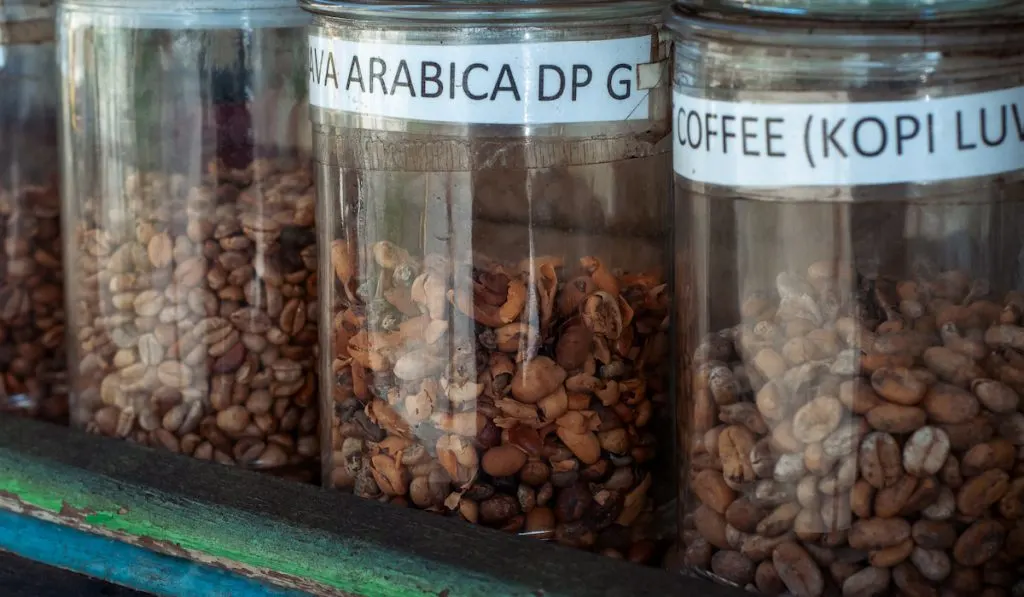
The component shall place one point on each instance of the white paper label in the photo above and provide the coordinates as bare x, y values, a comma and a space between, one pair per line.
779, 145
530, 83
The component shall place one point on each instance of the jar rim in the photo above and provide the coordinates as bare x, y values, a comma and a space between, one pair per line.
492, 11
187, 14
997, 28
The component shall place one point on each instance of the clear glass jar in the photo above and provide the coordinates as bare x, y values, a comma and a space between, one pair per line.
32, 362
497, 306
190, 198
850, 414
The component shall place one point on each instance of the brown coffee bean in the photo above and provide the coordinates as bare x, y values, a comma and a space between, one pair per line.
891, 556
1011, 506
498, 509
858, 396
995, 396
743, 413
894, 418
743, 515
779, 521
711, 489
933, 535
697, 554
952, 367
890, 501
878, 533
925, 451
994, 454
503, 461
869, 582
978, 493
980, 542
733, 566
932, 564
907, 578
898, 385
711, 526
949, 404
798, 571
767, 580
880, 459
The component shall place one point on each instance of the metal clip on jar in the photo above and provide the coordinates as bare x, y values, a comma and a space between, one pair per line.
493, 183
190, 195
852, 414
33, 377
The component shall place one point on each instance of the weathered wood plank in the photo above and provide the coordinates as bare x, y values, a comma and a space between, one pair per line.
111, 560
293, 535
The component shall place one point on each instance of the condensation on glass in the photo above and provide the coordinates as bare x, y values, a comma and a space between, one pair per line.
851, 341
190, 204
32, 364
495, 338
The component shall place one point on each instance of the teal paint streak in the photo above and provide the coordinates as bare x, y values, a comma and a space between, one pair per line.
124, 564
232, 536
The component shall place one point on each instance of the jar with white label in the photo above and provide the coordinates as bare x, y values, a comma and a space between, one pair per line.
189, 195
849, 202
493, 189
33, 378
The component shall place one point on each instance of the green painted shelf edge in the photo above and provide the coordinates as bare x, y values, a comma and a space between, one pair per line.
289, 534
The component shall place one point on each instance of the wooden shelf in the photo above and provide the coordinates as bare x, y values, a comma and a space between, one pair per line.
231, 525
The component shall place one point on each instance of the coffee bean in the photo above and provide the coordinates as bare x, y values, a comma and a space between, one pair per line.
925, 451
798, 571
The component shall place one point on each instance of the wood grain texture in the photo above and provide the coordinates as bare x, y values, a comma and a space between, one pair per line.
292, 535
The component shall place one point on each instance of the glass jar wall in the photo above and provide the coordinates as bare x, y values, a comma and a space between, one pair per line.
190, 206
851, 416
497, 303
32, 364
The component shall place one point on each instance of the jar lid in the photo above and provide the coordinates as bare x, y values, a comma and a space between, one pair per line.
1001, 28
510, 12
186, 14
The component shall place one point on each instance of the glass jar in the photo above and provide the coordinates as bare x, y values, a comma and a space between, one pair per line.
190, 195
849, 200
861, 9
32, 362
493, 196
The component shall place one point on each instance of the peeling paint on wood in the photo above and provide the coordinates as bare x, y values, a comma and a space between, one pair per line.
294, 536
122, 563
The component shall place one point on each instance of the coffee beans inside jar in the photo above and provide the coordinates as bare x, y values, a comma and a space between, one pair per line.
33, 372
861, 443
513, 395
197, 315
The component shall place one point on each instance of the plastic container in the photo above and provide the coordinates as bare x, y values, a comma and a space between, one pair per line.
189, 193
851, 397
32, 362
496, 243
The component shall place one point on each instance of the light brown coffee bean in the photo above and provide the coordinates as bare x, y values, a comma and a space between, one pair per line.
906, 577
814, 421
734, 446
891, 500
767, 580
709, 487
891, 556
711, 526
925, 451
733, 566
743, 515
858, 396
